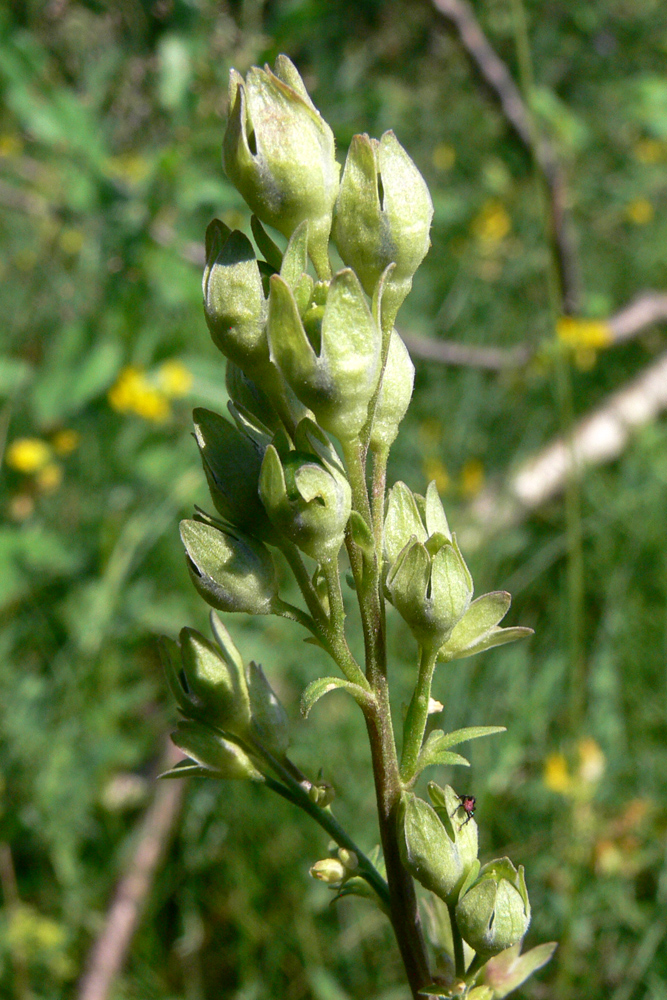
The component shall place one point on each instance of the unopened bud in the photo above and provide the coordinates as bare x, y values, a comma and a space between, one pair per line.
231, 571
494, 913
332, 871
382, 216
279, 153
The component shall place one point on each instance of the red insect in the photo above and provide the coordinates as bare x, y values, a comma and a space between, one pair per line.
468, 806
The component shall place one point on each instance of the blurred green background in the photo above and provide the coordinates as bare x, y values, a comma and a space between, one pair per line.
110, 135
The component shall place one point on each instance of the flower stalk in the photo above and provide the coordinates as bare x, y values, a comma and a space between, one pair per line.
316, 370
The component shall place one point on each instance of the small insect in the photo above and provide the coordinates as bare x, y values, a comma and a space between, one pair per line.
467, 803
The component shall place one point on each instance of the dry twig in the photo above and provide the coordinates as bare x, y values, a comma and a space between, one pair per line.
108, 954
598, 438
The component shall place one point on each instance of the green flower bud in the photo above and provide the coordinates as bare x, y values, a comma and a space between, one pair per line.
269, 724
332, 358
395, 393
216, 690
308, 502
234, 301
382, 216
494, 913
232, 462
438, 853
427, 581
221, 756
279, 152
231, 571
332, 871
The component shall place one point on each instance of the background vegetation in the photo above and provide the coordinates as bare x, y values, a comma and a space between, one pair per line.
110, 170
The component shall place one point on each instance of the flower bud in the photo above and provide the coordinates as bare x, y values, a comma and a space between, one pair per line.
436, 852
309, 503
217, 690
221, 756
383, 215
395, 393
234, 301
428, 581
279, 153
269, 725
231, 571
332, 358
430, 587
332, 871
494, 913
232, 462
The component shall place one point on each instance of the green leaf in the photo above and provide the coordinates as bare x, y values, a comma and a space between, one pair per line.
496, 637
446, 740
435, 750
508, 970
188, 769
318, 688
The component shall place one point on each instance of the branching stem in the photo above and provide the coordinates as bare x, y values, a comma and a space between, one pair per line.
417, 717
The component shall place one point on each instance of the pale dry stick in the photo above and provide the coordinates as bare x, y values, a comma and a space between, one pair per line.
645, 310
498, 77
108, 953
598, 438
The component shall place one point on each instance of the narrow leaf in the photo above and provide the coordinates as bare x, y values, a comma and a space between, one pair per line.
318, 688
508, 970
446, 740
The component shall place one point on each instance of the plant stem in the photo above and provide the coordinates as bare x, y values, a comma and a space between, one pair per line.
329, 630
417, 716
298, 796
404, 912
457, 940
378, 497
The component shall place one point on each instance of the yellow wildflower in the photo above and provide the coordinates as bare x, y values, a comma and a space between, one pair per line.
28, 455
66, 441
591, 334
649, 151
556, 775
492, 224
175, 379
133, 393
443, 157
49, 478
472, 477
640, 211
434, 470
591, 760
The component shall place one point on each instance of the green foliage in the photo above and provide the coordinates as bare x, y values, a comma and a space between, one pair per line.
109, 158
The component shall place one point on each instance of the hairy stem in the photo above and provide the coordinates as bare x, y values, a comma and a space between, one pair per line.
417, 717
404, 912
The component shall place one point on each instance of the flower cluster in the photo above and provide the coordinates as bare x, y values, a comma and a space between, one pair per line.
318, 381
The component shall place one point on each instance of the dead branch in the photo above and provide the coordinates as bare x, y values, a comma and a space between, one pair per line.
496, 74
108, 953
647, 309
644, 311
598, 438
